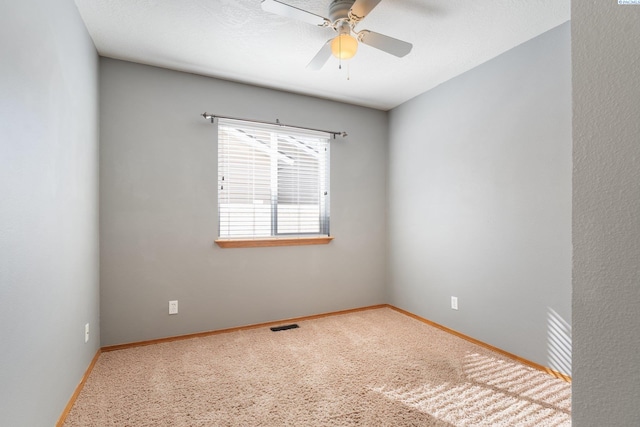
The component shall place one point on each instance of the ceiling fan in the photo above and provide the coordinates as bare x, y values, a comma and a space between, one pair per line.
344, 15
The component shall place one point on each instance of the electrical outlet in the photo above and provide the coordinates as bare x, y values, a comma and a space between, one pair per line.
454, 303
173, 307
86, 332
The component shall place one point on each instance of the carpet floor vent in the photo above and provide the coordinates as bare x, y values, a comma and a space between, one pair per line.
284, 327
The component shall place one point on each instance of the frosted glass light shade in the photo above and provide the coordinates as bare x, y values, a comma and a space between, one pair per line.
344, 46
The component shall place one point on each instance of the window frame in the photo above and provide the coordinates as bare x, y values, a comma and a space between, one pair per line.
277, 134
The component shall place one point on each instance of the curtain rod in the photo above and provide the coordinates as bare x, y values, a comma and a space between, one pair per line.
277, 122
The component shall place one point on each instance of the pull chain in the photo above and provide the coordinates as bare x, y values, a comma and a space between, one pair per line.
340, 53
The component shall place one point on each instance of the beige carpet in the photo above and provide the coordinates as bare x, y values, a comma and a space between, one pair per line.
370, 368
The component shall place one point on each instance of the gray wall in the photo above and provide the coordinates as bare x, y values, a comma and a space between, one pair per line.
606, 213
480, 202
158, 216
48, 208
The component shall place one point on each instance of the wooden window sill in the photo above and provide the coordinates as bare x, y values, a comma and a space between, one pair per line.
261, 243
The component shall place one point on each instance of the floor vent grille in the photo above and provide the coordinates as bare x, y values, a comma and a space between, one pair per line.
284, 327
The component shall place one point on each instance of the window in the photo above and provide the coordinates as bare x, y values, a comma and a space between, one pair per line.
273, 181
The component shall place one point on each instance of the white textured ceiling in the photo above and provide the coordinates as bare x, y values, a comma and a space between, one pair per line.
237, 40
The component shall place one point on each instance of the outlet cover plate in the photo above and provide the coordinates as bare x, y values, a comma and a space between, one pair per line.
173, 307
454, 303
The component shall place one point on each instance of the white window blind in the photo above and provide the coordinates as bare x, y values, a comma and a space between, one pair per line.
273, 181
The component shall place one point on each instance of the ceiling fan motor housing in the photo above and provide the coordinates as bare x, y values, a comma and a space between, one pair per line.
339, 9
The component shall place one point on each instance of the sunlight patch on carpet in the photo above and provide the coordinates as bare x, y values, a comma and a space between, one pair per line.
495, 392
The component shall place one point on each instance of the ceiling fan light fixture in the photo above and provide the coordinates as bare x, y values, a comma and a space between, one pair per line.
344, 46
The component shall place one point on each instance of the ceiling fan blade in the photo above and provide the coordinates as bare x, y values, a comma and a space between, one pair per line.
321, 57
361, 8
387, 44
283, 9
